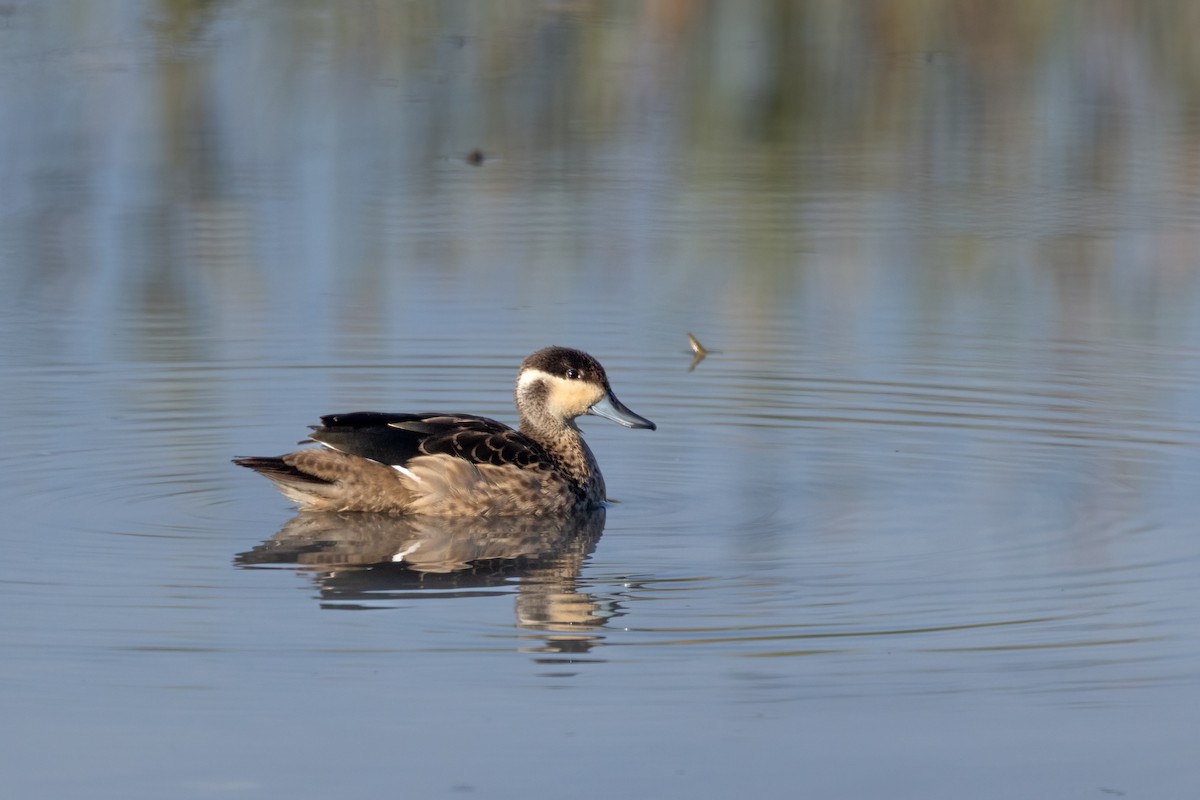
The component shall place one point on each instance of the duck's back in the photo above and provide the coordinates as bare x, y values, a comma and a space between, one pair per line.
395, 439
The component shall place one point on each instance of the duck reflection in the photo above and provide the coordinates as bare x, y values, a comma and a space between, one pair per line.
358, 557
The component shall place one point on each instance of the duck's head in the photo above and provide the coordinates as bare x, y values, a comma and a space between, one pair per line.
558, 384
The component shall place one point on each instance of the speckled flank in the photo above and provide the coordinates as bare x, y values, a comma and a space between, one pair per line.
455, 487
435, 485
461, 465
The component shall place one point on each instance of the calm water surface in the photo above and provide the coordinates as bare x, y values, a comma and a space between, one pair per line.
922, 524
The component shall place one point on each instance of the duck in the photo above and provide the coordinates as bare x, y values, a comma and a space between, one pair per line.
461, 465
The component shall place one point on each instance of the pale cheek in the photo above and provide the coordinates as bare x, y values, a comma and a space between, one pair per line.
575, 400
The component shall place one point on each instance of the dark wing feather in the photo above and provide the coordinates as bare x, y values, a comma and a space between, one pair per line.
396, 438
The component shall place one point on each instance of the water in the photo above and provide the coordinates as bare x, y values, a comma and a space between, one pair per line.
920, 525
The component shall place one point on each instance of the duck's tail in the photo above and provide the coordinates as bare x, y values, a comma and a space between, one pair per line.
326, 480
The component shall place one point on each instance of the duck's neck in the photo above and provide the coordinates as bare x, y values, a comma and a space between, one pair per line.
572, 456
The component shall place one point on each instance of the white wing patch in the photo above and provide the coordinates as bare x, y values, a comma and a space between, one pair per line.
406, 472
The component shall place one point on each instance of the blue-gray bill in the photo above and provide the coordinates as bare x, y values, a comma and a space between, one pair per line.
610, 407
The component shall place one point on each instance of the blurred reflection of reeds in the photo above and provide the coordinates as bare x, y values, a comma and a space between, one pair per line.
216, 155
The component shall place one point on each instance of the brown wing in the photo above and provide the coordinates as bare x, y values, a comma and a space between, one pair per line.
396, 438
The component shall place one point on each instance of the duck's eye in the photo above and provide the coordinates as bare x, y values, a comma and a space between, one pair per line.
572, 374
